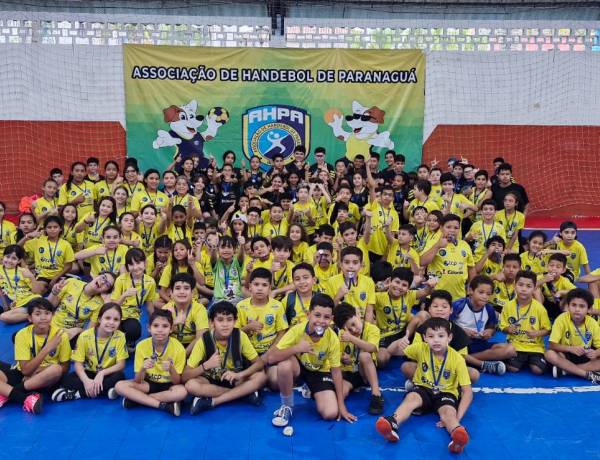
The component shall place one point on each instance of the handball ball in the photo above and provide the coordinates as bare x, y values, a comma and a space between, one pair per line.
220, 114
330, 114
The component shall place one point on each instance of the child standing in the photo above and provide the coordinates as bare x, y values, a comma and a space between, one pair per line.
295, 304
511, 220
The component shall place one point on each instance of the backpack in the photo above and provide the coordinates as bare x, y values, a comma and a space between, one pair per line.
239, 362
290, 306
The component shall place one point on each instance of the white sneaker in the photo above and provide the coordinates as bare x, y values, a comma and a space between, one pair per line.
112, 394
282, 416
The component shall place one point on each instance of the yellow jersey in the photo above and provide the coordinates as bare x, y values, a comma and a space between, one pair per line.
272, 317
549, 290
490, 268
16, 286
531, 317
112, 261
92, 234
148, 236
51, 256
173, 351
132, 190
146, 292
75, 307
103, 188
75, 239
271, 230
360, 295
392, 315
296, 310
503, 293
424, 238
457, 205
451, 265
565, 332
398, 256
96, 353
326, 349
482, 233
87, 189
28, 345
370, 334
144, 198
198, 356
577, 257
536, 264
180, 233
196, 319
299, 251
302, 211
324, 275
167, 273
42, 205
438, 374
512, 224
378, 243
321, 207
256, 263
8, 234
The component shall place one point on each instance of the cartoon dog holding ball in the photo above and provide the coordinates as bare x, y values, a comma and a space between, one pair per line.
364, 124
184, 134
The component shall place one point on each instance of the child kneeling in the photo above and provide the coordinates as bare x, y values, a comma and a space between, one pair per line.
159, 362
223, 365
440, 372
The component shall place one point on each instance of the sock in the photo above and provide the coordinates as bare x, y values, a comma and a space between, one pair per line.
288, 400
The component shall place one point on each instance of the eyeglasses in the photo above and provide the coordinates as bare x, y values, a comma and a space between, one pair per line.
104, 280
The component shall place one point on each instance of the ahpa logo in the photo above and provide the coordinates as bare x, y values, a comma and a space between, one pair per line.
269, 130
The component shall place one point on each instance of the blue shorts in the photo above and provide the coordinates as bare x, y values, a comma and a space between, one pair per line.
477, 346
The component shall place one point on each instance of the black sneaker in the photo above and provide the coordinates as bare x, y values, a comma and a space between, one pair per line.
172, 408
376, 405
200, 404
594, 377
129, 404
388, 428
255, 398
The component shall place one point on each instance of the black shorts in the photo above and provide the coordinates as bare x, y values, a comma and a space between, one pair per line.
219, 383
387, 341
157, 387
355, 379
527, 357
316, 381
13, 376
433, 401
577, 359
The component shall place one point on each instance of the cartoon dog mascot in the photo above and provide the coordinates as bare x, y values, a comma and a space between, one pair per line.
184, 124
364, 123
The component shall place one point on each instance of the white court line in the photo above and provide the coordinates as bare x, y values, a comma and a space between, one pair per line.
514, 391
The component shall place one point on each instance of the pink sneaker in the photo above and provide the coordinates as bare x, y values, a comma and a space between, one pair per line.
3, 400
33, 404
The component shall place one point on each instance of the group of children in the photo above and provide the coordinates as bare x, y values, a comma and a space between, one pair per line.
312, 274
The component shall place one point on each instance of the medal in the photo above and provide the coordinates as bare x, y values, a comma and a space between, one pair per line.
436, 379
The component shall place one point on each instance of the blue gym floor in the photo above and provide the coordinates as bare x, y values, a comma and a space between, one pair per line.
514, 416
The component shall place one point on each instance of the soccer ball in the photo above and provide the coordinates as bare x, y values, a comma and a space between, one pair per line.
220, 114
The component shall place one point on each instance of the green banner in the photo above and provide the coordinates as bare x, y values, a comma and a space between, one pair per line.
261, 102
